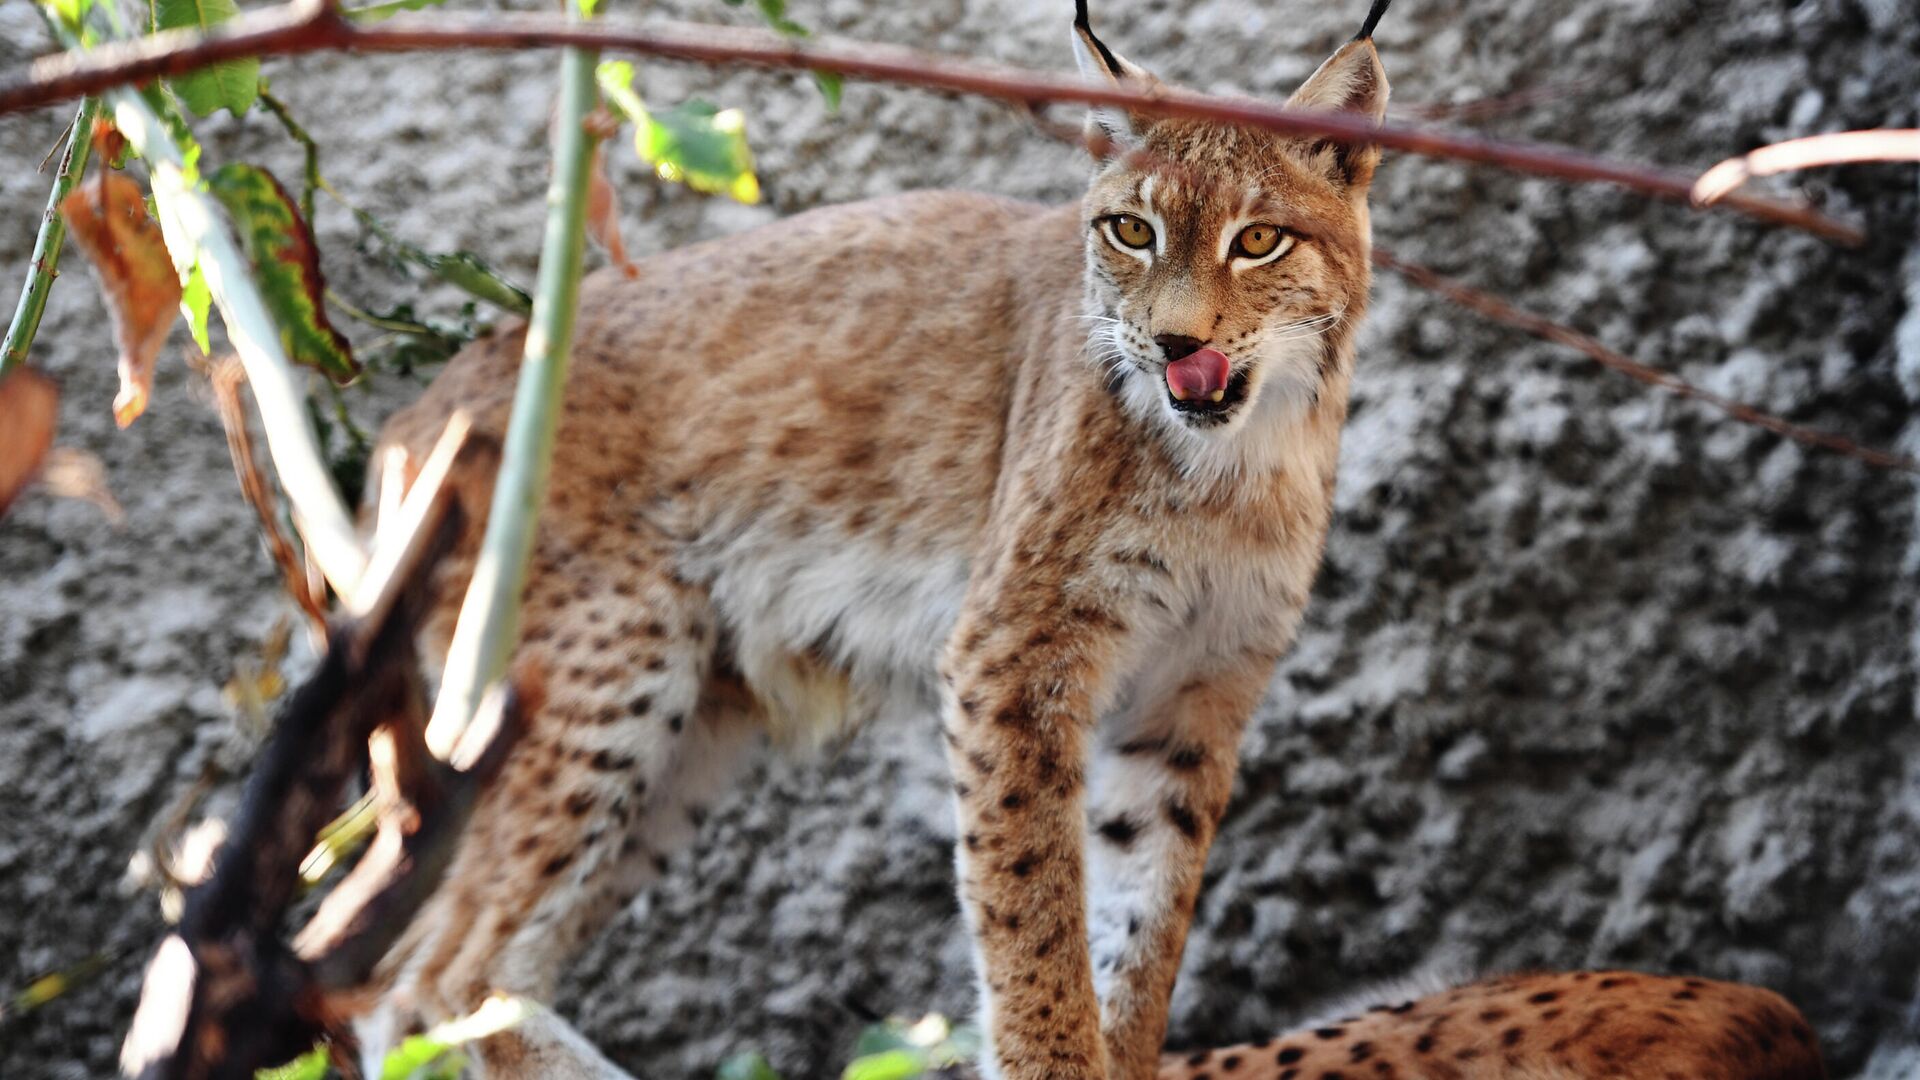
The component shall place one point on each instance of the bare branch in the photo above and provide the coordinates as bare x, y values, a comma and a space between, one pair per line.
226, 378
1546, 329
305, 27
1837, 148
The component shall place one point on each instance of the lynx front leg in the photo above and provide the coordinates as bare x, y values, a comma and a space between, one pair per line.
1026, 665
1157, 788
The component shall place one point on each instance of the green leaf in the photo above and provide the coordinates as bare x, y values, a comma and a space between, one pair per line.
420, 1058
312, 1065
701, 146
73, 13
747, 1066
376, 12
829, 83
888, 1065
196, 303
286, 266
230, 84
616, 85
465, 270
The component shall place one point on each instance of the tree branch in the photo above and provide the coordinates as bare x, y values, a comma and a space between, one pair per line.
1835, 148
309, 26
1546, 329
44, 266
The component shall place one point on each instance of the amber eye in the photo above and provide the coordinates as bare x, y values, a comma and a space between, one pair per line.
1257, 241
1130, 230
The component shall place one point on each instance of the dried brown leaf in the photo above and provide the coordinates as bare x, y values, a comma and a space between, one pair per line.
603, 213
109, 221
72, 473
29, 404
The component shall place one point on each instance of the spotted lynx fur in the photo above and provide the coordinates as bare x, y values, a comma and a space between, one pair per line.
1057, 476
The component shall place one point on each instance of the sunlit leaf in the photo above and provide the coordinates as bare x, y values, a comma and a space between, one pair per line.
29, 405
196, 303
616, 85
72, 12
419, 1057
230, 84
312, 1065
694, 143
702, 146
747, 1066
887, 1065
377, 12
432, 1055
286, 266
110, 224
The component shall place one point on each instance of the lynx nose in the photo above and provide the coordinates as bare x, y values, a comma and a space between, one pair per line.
1176, 346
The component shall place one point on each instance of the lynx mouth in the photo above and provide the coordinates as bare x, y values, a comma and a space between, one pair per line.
1211, 410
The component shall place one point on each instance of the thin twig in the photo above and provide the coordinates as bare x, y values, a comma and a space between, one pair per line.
1546, 329
311, 165
304, 27
226, 378
44, 265
1836, 148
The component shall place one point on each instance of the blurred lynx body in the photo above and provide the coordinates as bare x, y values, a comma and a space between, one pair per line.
1059, 477
1582, 1025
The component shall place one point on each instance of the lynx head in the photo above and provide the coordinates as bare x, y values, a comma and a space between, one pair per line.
1227, 267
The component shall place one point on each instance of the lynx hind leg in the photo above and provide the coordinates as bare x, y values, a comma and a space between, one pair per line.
608, 779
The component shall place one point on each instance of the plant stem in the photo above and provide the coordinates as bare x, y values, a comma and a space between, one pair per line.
194, 225
298, 134
489, 623
45, 264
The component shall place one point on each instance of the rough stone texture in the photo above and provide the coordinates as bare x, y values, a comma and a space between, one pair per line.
1592, 676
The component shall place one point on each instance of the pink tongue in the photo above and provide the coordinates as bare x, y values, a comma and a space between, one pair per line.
1198, 376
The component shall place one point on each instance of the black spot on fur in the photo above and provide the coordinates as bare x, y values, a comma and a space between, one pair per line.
1120, 831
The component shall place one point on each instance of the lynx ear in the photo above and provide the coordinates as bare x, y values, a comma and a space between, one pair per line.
1351, 80
1103, 66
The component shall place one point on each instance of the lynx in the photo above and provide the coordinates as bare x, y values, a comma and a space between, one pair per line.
1057, 476
1582, 1025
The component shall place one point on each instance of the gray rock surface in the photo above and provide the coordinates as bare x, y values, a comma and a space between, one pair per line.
1593, 676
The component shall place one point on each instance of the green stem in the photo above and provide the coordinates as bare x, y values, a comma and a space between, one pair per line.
298, 134
46, 247
489, 622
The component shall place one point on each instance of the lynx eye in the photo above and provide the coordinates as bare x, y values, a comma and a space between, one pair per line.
1130, 230
1257, 241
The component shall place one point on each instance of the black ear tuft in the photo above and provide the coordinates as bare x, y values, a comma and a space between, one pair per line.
1085, 27
1366, 28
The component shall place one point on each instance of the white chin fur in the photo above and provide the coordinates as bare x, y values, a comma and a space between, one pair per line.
1259, 436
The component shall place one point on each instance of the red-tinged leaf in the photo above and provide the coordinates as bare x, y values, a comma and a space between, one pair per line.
603, 213
29, 404
286, 266
108, 220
